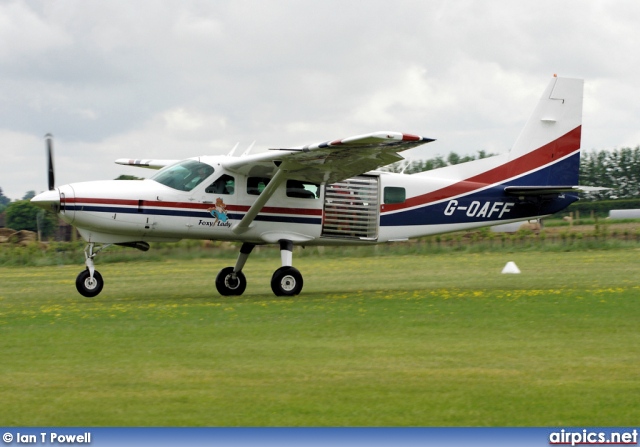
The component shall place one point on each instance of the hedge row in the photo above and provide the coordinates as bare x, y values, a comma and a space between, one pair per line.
601, 208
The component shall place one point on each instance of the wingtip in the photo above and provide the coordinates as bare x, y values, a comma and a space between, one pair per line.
411, 137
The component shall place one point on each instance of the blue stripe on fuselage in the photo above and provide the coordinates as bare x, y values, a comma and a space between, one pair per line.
479, 207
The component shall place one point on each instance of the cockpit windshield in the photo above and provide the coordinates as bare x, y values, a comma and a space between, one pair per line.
183, 176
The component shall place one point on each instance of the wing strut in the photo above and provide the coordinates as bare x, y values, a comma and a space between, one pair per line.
276, 181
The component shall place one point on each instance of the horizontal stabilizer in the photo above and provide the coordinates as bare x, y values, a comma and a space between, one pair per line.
550, 189
149, 164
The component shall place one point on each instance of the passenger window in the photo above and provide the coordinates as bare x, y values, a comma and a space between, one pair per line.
393, 194
302, 190
255, 185
224, 185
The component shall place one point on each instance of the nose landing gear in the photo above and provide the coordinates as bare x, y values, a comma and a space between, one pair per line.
89, 282
89, 286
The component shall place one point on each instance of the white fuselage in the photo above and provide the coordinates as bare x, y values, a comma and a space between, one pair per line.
371, 208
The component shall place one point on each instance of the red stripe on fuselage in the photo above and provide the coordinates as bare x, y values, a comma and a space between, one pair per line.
192, 206
281, 210
557, 149
102, 201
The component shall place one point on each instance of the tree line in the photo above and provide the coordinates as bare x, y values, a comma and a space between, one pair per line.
415, 166
618, 169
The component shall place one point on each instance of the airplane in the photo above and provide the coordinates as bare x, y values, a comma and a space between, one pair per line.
330, 193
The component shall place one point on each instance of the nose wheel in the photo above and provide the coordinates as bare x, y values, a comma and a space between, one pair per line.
89, 286
89, 282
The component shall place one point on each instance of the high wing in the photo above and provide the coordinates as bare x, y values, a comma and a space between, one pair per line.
149, 164
330, 161
327, 162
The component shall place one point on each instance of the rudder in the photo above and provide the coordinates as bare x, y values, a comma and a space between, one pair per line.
549, 144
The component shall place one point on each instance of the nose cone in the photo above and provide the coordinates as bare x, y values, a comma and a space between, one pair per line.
48, 200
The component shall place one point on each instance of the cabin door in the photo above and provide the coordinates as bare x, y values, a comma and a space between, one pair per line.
352, 208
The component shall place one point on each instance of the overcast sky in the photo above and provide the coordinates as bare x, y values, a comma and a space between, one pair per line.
176, 79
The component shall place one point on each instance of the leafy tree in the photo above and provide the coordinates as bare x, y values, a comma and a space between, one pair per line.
618, 169
4, 201
453, 159
23, 215
29, 195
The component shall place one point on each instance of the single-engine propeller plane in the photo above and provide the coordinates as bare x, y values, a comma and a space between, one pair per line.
329, 193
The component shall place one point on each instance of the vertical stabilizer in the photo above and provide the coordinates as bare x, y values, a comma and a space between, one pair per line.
549, 144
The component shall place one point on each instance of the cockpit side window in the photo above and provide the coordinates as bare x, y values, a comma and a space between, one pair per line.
184, 176
255, 185
223, 185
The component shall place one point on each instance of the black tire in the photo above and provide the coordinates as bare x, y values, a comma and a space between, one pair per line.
227, 285
87, 287
286, 281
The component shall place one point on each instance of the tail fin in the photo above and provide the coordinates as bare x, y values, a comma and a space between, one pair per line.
548, 148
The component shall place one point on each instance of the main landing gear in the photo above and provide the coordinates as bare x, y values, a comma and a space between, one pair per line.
286, 281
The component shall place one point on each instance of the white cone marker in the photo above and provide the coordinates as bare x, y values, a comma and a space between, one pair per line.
511, 267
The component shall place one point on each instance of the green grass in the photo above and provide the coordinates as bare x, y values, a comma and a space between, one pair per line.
437, 340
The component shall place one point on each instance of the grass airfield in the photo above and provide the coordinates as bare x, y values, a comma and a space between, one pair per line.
435, 340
